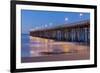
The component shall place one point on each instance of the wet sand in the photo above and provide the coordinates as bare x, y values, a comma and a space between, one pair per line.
60, 57
49, 50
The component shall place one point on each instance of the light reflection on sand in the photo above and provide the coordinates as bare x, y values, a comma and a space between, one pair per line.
42, 45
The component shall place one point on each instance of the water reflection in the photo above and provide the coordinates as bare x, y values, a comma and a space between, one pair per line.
46, 47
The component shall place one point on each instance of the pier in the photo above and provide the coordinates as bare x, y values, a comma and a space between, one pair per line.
67, 42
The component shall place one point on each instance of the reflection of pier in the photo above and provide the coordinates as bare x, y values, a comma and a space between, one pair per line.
75, 32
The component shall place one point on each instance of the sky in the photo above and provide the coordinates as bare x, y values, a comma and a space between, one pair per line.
33, 19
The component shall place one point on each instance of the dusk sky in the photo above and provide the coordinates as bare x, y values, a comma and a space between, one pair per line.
32, 19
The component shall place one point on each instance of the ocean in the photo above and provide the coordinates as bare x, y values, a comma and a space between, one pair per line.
25, 48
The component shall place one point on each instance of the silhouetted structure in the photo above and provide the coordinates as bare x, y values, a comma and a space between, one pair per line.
74, 32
